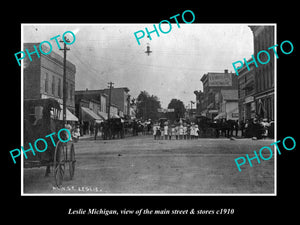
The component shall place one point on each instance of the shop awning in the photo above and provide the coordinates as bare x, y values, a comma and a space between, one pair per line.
69, 116
88, 115
103, 115
114, 116
220, 116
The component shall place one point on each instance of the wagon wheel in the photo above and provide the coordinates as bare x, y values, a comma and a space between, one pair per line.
72, 161
59, 163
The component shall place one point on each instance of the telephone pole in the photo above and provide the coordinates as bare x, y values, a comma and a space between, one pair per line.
65, 49
110, 86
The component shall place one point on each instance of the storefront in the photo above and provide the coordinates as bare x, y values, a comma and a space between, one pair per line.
88, 119
249, 108
212, 113
265, 106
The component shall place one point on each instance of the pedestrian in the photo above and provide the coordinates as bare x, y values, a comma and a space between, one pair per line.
154, 131
218, 128
158, 133
170, 132
180, 131
224, 127
166, 131
236, 127
162, 132
192, 131
265, 125
184, 131
91, 129
176, 131
96, 130
196, 131
242, 127
69, 127
231, 127
173, 130
76, 133
188, 132
149, 125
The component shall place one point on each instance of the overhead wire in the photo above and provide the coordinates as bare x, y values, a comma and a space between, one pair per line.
135, 64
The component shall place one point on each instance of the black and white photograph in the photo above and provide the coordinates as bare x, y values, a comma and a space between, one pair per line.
150, 111
174, 108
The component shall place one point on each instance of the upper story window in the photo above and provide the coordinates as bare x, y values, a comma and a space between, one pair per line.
53, 85
46, 82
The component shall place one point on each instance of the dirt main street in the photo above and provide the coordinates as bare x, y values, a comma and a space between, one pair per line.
141, 165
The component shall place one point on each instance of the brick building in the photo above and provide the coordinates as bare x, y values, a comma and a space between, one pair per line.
91, 96
43, 77
263, 37
120, 99
213, 83
246, 79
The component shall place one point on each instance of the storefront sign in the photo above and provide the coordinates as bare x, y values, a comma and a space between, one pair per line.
219, 79
235, 114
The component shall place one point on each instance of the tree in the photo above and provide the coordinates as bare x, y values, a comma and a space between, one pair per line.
179, 110
147, 106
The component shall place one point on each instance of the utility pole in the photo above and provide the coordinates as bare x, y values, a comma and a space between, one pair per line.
110, 86
65, 49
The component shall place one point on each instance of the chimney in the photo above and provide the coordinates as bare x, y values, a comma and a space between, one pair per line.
226, 71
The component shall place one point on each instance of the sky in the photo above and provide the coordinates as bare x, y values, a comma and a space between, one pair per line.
105, 53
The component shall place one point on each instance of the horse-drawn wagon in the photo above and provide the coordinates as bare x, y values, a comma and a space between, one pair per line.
41, 118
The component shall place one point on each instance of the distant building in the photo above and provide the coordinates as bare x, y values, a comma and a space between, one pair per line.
87, 111
213, 83
120, 99
114, 111
229, 104
264, 74
43, 77
89, 96
199, 102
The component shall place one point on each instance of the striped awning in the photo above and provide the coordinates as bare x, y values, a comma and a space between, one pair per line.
88, 114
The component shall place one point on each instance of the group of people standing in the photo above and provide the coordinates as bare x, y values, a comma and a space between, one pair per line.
179, 132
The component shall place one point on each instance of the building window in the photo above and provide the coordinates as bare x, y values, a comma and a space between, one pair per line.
46, 83
53, 85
